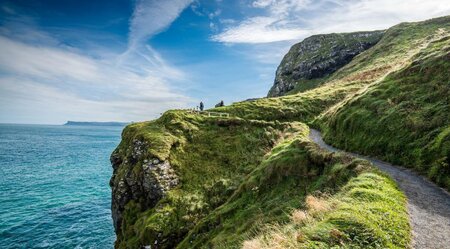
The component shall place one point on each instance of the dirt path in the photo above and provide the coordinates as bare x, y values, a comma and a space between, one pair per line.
428, 205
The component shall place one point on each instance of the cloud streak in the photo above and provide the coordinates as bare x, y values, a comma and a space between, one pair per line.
287, 20
45, 62
49, 80
151, 17
259, 30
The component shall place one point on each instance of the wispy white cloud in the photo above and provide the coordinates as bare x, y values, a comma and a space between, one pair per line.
45, 62
285, 20
151, 17
259, 30
31, 101
377, 14
55, 84
262, 3
277, 24
43, 80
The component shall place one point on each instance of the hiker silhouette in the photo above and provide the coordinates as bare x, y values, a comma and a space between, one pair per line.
201, 106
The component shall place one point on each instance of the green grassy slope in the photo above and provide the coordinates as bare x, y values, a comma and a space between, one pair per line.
404, 119
303, 197
211, 156
233, 186
355, 104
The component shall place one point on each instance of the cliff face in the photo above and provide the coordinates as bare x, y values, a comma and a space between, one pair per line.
171, 172
317, 57
138, 177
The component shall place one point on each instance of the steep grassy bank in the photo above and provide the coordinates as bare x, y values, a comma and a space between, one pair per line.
232, 187
171, 172
404, 119
303, 197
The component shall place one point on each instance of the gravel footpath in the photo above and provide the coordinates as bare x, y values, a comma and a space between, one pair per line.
428, 204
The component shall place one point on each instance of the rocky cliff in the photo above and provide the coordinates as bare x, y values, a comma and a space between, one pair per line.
171, 172
147, 184
317, 57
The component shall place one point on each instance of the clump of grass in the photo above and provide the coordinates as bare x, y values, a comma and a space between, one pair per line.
299, 216
316, 205
252, 244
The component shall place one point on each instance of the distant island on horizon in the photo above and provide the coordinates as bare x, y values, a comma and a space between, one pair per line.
85, 123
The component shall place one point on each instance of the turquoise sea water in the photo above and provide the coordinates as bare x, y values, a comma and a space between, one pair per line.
54, 190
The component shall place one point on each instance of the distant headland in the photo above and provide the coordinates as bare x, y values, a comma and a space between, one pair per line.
96, 123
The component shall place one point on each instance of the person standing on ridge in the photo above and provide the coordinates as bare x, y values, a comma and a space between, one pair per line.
201, 106
219, 104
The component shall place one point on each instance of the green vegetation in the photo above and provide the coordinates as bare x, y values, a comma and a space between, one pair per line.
368, 212
328, 42
233, 191
310, 61
278, 205
304, 85
209, 155
255, 180
405, 118
402, 118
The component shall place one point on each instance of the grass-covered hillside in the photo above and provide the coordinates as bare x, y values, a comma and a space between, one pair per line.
405, 118
300, 196
205, 160
255, 180
395, 94
236, 179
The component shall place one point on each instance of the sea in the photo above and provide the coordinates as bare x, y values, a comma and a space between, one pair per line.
54, 186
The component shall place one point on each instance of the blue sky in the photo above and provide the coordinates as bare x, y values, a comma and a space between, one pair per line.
123, 60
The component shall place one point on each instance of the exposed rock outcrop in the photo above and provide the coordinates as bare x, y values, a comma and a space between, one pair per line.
319, 56
138, 176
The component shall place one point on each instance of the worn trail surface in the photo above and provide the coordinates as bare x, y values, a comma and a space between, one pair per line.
428, 205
